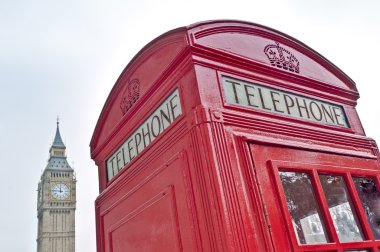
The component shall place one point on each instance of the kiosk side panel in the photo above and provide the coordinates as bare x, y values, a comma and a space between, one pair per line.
153, 214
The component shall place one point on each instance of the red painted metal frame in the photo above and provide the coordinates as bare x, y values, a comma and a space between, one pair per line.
202, 169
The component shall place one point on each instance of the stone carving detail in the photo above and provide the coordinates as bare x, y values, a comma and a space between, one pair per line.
130, 96
281, 58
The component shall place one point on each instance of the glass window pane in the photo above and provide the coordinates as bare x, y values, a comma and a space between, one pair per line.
355, 250
341, 208
304, 210
370, 197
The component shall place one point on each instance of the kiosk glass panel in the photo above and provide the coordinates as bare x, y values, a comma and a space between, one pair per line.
355, 250
341, 209
304, 210
370, 197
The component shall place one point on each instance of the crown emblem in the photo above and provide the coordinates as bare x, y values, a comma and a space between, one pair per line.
130, 95
282, 58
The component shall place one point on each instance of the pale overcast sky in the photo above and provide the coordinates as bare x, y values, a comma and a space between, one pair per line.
63, 57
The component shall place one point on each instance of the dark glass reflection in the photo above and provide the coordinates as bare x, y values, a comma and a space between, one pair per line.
341, 208
370, 197
304, 210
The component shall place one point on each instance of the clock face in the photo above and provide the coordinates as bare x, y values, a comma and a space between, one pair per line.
60, 191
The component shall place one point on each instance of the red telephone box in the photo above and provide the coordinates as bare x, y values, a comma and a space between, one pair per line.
231, 136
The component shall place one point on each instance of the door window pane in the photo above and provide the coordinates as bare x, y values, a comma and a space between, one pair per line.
355, 250
304, 210
341, 208
370, 197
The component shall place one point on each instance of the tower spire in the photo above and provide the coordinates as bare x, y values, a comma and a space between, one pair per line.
57, 159
58, 143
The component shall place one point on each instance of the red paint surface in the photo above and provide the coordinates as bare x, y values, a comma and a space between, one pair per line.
209, 182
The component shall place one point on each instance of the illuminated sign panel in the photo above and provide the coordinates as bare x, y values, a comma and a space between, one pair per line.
152, 127
256, 96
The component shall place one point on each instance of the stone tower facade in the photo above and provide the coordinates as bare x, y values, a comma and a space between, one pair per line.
56, 202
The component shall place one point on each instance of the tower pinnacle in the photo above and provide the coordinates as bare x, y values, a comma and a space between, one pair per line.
57, 159
58, 143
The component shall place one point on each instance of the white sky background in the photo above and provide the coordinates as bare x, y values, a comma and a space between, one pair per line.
63, 57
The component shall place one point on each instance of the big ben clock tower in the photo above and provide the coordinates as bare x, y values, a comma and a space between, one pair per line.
56, 202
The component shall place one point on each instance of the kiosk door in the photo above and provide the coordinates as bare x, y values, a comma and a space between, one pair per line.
315, 201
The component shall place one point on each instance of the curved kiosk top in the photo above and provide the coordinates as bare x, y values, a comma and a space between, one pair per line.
232, 136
